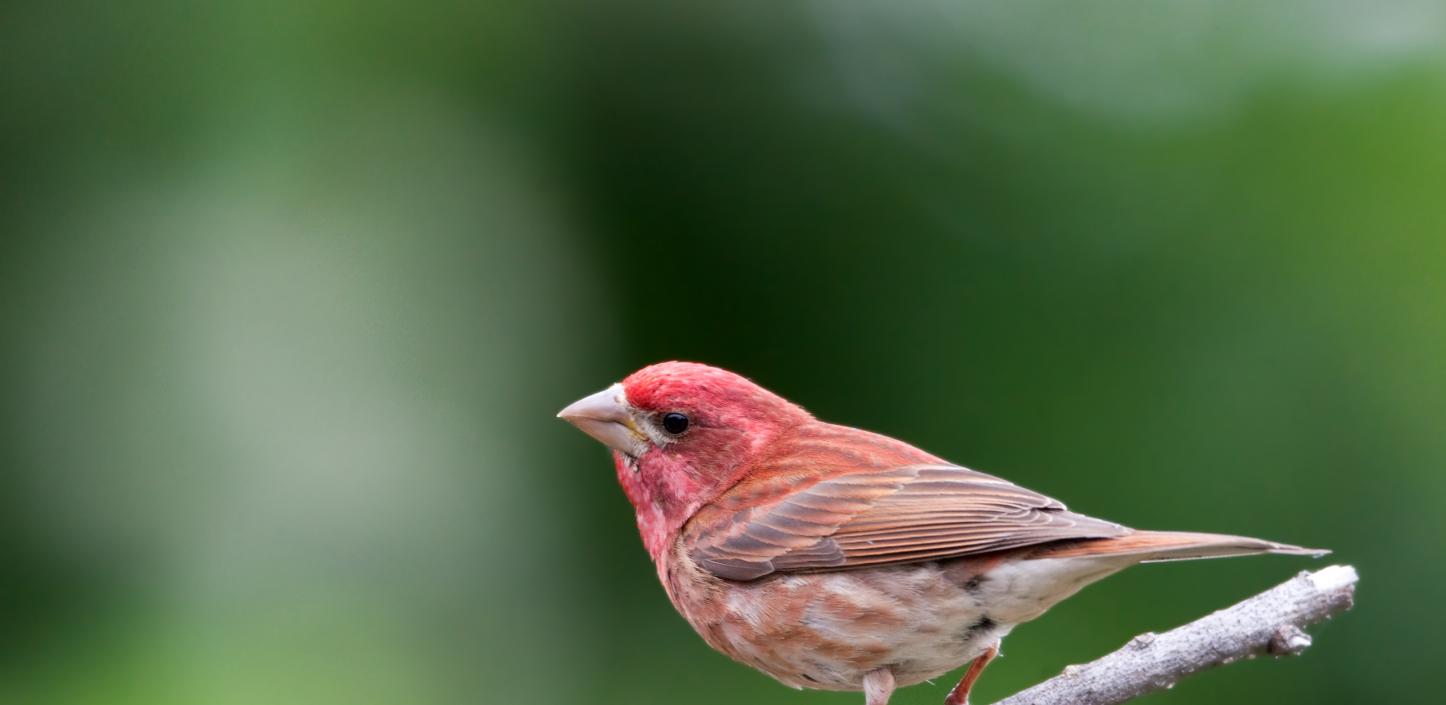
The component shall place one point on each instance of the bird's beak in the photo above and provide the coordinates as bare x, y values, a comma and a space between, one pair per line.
605, 416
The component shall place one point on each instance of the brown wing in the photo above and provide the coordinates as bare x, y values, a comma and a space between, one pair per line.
898, 515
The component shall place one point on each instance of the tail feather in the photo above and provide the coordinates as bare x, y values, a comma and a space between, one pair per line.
1150, 546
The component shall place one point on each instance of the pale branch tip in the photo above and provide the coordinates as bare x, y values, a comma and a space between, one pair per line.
1271, 623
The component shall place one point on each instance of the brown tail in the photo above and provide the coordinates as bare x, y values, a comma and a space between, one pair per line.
1148, 546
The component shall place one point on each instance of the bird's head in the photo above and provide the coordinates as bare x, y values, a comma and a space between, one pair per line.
681, 433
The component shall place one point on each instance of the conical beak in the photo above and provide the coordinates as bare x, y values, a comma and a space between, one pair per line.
605, 416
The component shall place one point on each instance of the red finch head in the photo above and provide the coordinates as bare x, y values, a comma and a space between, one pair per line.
681, 434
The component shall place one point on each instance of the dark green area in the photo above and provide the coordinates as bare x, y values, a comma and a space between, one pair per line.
290, 293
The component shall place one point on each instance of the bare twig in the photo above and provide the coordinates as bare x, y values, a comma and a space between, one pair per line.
1272, 622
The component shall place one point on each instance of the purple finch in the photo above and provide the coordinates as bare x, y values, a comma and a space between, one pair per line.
839, 559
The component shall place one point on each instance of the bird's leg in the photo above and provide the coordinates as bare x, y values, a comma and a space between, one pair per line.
960, 694
878, 686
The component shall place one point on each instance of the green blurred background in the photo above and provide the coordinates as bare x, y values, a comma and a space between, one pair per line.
290, 292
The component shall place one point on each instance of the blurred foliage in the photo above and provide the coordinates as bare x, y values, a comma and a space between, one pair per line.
290, 292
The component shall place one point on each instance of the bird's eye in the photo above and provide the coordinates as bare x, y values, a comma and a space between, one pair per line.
675, 423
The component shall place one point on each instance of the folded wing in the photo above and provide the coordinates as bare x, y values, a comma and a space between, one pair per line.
876, 517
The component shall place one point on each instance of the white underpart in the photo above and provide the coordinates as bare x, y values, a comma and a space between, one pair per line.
747, 608
1018, 591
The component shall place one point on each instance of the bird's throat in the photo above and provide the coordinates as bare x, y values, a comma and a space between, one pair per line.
662, 500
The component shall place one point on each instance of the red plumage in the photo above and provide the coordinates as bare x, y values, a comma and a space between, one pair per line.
835, 558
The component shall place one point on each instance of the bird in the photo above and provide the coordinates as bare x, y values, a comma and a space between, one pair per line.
834, 558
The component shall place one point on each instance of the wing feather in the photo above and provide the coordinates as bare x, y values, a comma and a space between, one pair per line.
902, 514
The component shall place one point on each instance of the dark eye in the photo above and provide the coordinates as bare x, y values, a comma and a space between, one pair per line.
675, 423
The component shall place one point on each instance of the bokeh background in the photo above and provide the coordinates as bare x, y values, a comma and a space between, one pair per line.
290, 292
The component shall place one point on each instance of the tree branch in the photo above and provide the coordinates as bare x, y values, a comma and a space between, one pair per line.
1272, 622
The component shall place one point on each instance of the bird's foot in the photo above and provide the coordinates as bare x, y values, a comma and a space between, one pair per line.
960, 694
